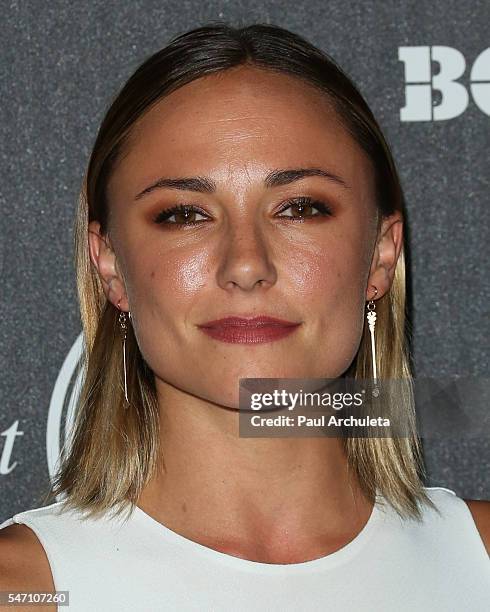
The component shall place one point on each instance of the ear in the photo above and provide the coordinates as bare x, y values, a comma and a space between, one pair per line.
104, 260
386, 252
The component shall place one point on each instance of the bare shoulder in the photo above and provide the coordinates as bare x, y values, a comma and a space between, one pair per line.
480, 510
24, 565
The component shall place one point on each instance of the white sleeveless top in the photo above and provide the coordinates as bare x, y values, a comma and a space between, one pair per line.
140, 565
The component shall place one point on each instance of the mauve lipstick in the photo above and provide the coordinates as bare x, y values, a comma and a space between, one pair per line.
248, 330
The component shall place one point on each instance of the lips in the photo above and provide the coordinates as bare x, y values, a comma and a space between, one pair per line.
253, 322
248, 330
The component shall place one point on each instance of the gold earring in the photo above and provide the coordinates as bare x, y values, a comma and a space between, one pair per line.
371, 318
124, 330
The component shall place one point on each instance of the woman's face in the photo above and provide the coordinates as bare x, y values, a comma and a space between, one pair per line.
253, 250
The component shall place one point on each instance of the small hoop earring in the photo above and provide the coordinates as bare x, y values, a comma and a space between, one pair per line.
371, 319
124, 333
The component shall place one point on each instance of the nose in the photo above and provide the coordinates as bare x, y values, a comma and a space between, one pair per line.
245, 260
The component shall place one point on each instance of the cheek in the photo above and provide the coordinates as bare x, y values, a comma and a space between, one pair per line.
163, 288
168, 280
331, 281
182, 273
330, 274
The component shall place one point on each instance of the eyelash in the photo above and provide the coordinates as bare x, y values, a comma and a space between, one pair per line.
163, 215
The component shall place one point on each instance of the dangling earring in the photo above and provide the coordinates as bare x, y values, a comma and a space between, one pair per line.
124, 329
371, 318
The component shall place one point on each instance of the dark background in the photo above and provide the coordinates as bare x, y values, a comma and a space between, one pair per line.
61, 64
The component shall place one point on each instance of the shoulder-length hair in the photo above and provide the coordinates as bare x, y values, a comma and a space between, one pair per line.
115, 448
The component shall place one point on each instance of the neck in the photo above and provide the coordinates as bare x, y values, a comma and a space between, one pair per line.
276, 499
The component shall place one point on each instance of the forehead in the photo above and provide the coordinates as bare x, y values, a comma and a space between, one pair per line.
238, 123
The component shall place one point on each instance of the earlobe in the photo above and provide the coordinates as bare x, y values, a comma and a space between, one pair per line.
386, 254
104, 260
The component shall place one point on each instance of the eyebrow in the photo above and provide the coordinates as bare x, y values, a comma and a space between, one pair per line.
275, 178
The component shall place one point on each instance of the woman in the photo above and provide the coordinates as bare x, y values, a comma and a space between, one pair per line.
239, 173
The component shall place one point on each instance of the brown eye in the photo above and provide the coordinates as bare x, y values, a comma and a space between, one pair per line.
184, 215
303, 207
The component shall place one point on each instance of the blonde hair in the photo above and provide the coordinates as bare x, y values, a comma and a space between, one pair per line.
115, 449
